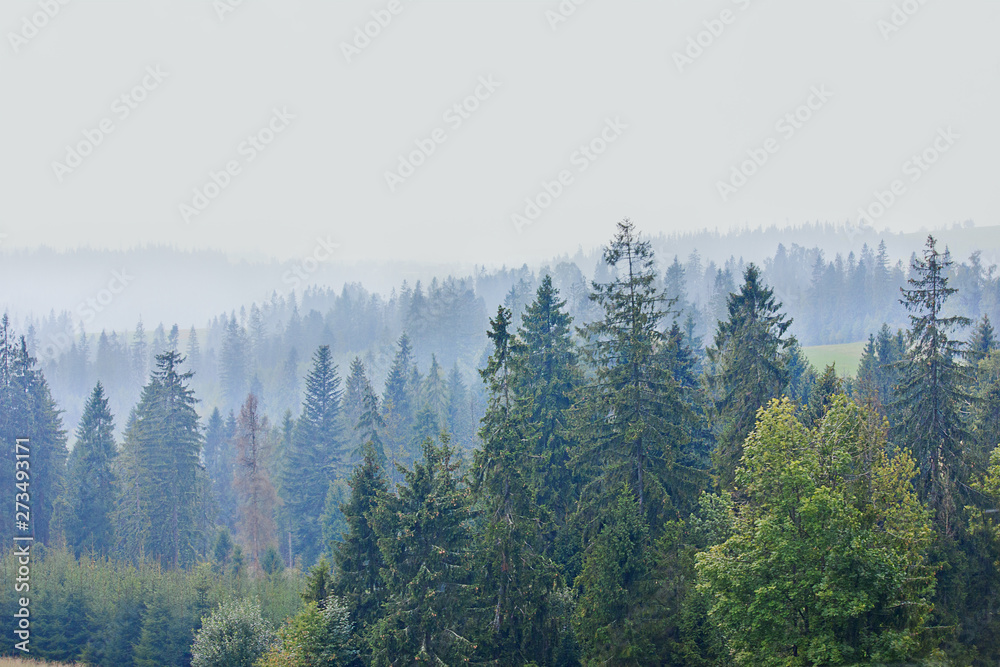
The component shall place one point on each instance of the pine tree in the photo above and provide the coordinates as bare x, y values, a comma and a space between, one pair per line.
748, 366
633, 419
91, 490
932, 394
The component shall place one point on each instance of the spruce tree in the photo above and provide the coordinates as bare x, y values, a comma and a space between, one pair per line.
747, 366
822, 395
219, 464
370, 426
357, 557
314, 458
397, 406
164, 446
632, 419
982, 343
932, 393
424, 536
91, 490
614, 618
515, 576
546, 378
353, 406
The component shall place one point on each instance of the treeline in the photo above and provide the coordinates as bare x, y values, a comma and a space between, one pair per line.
266, 347
626, 494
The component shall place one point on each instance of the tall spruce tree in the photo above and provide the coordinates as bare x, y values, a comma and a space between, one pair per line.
164, 447
632, 420
932, 394
515, 577
546, 378
315, 457
90, 487
747, 366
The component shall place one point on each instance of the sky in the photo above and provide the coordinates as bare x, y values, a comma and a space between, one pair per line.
487, 131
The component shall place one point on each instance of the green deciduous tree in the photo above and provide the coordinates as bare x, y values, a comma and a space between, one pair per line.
828, 560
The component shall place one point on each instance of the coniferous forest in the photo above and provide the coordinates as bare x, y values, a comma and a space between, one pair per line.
622, 459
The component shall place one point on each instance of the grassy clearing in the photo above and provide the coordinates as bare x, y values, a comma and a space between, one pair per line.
846, 356
18, 662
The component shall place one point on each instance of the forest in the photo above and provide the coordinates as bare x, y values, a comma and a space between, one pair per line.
623, 458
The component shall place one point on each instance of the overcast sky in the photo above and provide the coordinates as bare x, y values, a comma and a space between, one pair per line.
667, 121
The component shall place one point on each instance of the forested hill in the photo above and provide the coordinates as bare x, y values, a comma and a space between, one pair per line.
246, 324
634, 467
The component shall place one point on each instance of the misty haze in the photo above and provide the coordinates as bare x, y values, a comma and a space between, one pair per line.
562, 332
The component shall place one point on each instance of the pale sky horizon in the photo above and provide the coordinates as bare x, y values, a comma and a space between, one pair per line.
871, 91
